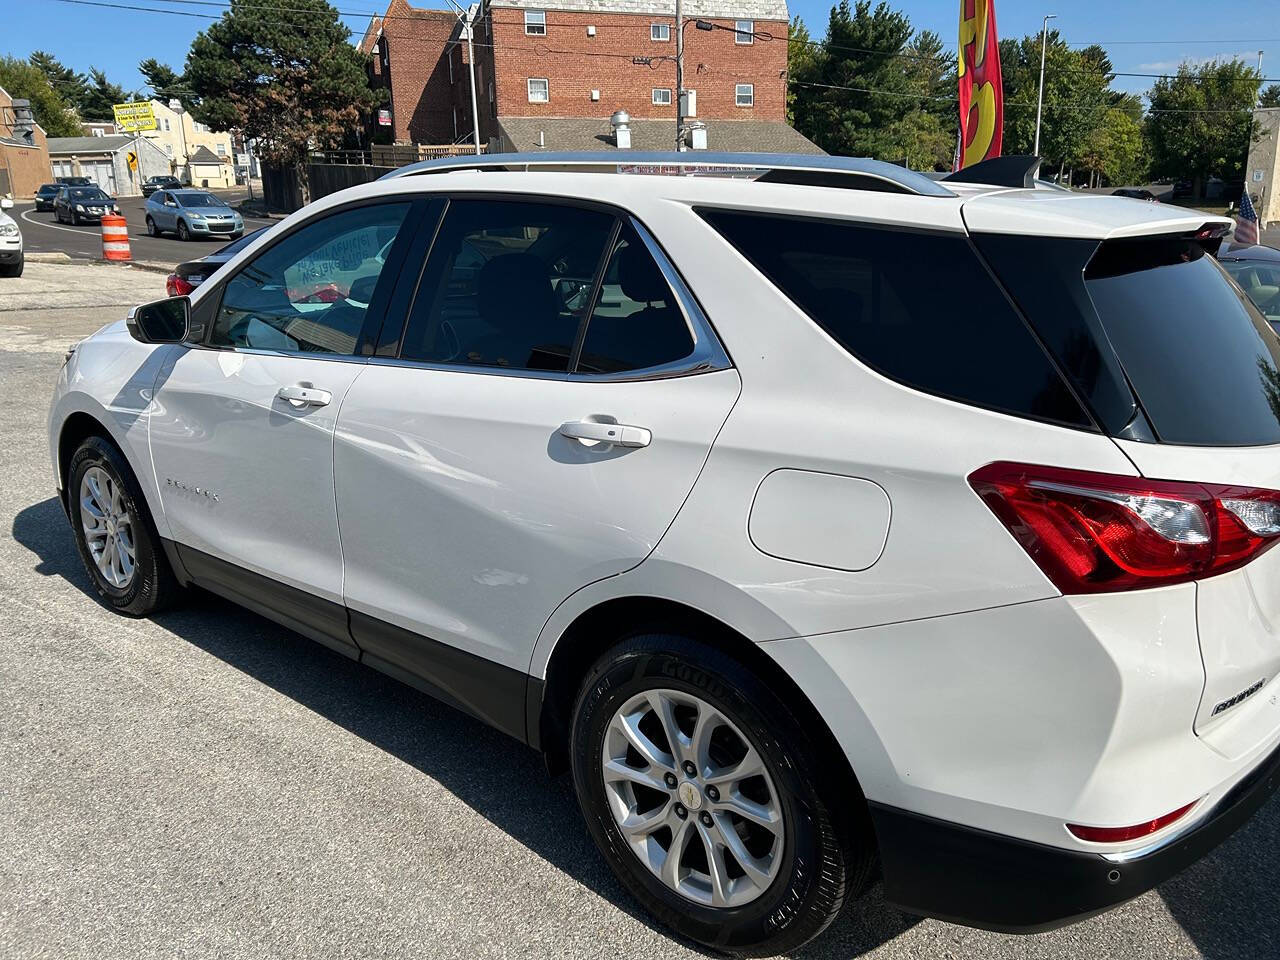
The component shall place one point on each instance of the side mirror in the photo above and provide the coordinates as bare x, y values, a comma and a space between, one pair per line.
6, 203
163, 321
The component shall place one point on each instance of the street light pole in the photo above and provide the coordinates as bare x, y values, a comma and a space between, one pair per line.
176, 106
680, 76
1044, 40
471, 66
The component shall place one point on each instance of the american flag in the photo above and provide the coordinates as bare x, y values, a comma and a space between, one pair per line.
1246, 221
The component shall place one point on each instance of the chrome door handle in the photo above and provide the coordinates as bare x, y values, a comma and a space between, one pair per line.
619, 434
304, 395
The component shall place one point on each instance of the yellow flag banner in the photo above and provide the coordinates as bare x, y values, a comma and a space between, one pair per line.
981, 87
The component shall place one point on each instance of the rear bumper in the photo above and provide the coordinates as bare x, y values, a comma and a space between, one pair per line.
981, 879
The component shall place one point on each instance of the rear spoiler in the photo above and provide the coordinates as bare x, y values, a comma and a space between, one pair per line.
1014, 171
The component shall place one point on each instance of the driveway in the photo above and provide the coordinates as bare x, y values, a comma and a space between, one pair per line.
208, 784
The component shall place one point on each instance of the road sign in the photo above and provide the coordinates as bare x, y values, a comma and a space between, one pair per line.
133, 117
132, 159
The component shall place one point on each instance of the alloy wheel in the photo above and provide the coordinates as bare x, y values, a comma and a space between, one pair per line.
692, 798
108, 527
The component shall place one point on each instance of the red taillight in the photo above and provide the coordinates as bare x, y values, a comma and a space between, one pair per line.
1135, 832
1097, 532
176, 286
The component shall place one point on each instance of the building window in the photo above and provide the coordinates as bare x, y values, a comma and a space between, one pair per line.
744, 31
535, 23
97, 131
744, 95
660, 32
222, 149
166, 124
539, 90
662, 96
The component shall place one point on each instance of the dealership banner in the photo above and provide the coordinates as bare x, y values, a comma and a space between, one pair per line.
135, 117
981, 88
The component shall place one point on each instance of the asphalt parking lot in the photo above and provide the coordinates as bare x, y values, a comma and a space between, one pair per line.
209, 784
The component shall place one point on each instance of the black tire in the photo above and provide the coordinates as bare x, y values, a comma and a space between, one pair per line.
822, 861
152, 229
75, 219
183, 233
153, 586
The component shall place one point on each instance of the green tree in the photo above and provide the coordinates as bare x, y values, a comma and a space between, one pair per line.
859, 87
72, 87
24, 81
1077, 96
801, 53
285, 74
1270, 97
923, 141
102, 95
1200, 121
166, 83
932, 74
1113, 150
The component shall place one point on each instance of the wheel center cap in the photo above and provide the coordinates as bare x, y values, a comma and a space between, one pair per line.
690, 795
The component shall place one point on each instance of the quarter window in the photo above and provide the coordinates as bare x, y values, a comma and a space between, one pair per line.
744, 95
744, 31
539, 90
889, 298
535, 23
309, 293
662, 96
660, 32
507, 285
637, 322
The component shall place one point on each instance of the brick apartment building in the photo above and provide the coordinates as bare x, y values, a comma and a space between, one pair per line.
550, 76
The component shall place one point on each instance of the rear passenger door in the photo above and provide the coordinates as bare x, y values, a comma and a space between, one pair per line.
534, 427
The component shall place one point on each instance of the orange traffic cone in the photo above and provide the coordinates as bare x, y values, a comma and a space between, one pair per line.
115, 238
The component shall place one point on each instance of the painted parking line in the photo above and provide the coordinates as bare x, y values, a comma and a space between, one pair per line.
58, 226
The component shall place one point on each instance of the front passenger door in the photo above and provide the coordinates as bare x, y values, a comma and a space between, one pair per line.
242, 425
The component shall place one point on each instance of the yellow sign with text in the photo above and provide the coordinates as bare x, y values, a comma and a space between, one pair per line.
132, 117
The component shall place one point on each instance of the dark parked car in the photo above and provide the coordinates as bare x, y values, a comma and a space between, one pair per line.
75, 181
1257, 270
189, 275
152, 184
82, 204
45, 195
1137, 193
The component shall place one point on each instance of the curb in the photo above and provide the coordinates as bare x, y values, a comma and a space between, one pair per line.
149, 265
55, 257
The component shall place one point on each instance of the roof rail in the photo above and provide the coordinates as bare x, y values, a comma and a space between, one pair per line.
1016, 170
777, 167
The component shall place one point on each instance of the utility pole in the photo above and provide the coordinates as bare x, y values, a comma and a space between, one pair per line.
680, 76
471, 67
1044, 40
176, 106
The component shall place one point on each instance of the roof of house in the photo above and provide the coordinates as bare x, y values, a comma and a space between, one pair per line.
108, 144
203, 154
718, 9
591, 134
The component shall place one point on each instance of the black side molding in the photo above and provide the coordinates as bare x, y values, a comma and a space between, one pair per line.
980, 879
1015, 171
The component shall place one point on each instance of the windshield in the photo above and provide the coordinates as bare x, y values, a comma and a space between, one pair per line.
1203, 362
48, 188
199, 200
88, 193
1260, 280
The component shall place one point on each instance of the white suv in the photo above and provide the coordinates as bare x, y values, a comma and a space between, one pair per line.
822, 517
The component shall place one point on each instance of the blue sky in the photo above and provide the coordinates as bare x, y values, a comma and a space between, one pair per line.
116, 39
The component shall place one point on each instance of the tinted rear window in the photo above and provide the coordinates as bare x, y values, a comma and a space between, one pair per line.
1203, 362
918, 307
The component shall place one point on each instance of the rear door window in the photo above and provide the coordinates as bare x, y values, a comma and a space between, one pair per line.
918, 307
507, 284
1204, 363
